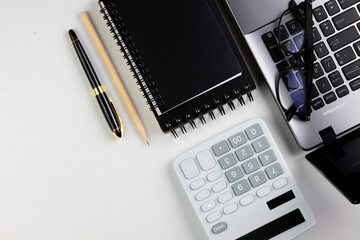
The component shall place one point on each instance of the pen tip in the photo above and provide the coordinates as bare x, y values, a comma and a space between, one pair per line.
118, 133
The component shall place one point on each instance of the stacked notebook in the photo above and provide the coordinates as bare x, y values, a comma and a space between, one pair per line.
182, 55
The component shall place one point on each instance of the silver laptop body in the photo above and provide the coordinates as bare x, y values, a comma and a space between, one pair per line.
258, 17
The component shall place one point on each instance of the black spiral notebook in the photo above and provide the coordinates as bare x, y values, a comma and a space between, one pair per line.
182, 55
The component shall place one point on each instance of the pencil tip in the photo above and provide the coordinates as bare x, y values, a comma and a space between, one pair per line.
147, 142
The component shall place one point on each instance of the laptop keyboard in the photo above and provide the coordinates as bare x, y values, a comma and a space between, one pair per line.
336, 46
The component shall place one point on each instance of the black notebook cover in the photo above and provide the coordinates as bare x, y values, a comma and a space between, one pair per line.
182, 55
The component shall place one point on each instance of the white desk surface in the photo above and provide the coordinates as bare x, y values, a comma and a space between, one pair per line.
62, 173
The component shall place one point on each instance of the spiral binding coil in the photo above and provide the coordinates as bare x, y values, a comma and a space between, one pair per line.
132, 56
198, 113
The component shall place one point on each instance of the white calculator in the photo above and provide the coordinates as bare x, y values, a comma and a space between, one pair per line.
240, 187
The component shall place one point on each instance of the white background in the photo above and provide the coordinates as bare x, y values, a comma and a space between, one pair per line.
62, 173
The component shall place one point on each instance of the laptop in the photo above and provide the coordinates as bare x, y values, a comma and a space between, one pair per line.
336, 84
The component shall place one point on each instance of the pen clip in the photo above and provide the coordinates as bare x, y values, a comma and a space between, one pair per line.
119, 121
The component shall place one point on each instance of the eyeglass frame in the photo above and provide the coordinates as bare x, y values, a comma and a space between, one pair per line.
306, 51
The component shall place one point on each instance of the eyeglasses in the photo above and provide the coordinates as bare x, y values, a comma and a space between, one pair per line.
293, 85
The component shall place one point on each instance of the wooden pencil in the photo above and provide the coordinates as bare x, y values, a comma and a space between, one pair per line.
114, 75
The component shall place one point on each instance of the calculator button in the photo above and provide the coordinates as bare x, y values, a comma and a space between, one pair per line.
196, 184
212, 217
234, 174
247, 200
219, 227
274, 170
282, 182
244, 153
215, 175
218, 187
254, 131
206, 160
220, 148
260, 144
240, 187
250, 166
223, 198
227, 161
189, 168
232, 207
267, 157
208, 206
237, 140
204, 194
263, 192
257, 179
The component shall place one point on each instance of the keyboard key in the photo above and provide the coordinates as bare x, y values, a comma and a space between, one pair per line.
347, 3
314, 91
206, 160
202, 195
345, 18
316, 35
227, 161
323, 85
355, 85
271, 45
244, 201
189, 168
263, 192
344, 56
290, 46
244, 153
283, 33
327, 28
342, 91
237, 140
357, 48
220, 148
282, 66
321, 50
254, 131
218, 187
260, 144
293, 26
328, 64
332, 7
282, 182
213, 217
197, 184
319, 13
234, 174
223, 198
232, 207
208, 206
240, 187
267, 157
352, 70
219, 227
299, 41
250, 166
257, 179
335, 79
317, 103
274, 171
343, 38
330, 97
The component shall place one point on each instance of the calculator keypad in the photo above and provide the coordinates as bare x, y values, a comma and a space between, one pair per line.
223, 174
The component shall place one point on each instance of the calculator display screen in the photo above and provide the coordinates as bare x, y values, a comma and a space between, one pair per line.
276, 227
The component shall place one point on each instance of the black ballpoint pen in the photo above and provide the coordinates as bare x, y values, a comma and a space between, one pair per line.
106, 105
